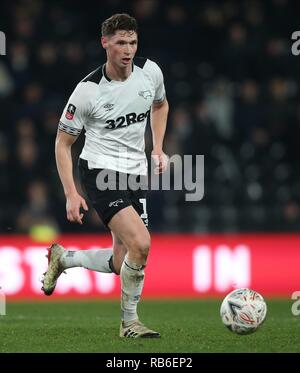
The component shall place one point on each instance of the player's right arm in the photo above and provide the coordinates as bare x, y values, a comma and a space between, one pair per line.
74, 201
71, 123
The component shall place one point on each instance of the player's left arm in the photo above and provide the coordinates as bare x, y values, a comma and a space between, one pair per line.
158, 126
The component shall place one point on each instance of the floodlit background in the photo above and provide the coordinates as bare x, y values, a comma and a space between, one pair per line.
233, 89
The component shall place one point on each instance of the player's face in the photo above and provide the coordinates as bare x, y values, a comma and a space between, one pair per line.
121, 47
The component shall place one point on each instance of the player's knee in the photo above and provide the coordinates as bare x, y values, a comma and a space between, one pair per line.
140, 246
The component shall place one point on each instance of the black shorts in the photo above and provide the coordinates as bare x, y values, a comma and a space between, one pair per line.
108, 202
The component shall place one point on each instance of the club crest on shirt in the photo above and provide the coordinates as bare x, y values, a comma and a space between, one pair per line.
145, 94
108, 107
70, 111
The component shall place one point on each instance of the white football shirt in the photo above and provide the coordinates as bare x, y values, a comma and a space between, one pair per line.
114, 115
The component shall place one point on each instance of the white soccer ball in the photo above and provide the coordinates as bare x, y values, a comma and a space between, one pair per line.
243, 311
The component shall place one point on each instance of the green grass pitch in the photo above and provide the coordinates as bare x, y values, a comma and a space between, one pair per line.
185, 325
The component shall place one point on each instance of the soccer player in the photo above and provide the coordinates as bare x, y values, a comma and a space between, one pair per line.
113, 104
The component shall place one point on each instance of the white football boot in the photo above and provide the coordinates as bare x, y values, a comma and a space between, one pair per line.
55, 268
135, 329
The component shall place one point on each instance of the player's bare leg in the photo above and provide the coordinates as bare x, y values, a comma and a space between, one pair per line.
132, 232
119, 252
130, 229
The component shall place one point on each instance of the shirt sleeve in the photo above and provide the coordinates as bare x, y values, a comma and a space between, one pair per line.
76, 111
160, 92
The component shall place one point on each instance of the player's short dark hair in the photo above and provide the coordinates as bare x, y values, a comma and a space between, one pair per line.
120, 21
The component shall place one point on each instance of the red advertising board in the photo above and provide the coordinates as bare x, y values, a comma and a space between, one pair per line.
178, 266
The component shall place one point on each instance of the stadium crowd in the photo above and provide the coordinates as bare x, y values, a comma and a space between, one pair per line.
233, 88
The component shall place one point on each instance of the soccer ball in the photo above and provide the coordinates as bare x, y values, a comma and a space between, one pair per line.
243, 311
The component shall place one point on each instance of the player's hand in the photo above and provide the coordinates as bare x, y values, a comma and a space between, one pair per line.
74, 203
161, 161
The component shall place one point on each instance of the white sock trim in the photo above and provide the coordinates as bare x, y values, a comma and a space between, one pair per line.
132, 283
93, 259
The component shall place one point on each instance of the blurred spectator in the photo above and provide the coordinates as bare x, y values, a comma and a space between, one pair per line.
236, 52
203, 135
291, 215
25, 130
7, 84
280, 110
248, 116
26, 168
220, 106
181, 130
145, 9
37, 211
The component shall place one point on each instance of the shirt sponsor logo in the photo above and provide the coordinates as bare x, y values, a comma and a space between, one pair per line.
70, 111
126, 120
